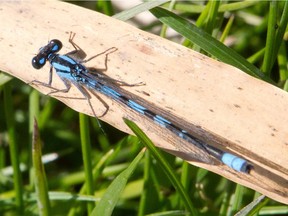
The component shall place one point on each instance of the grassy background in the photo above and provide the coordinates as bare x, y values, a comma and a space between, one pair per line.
112, 166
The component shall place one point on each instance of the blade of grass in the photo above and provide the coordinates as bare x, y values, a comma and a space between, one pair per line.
281, 28
128, 14
86, 154
114, 191
14, 155
165, 27
4, 78
204, 14
254, 206
144, 199
269, 55
165, 166
188, 173
282, 60
207, 42
227, 29
195, 8
236, 201
237, 5
105, 6
98, 169
33, 113
256, 56
40, 176
65, 196
212, 15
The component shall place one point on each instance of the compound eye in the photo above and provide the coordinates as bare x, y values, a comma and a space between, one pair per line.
38, 61
55, 45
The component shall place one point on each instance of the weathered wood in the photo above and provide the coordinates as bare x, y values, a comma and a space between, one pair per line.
237, 112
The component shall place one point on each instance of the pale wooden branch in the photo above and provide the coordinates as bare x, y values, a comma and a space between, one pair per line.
243, 115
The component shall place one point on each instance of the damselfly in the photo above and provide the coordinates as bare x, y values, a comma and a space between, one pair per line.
72, 71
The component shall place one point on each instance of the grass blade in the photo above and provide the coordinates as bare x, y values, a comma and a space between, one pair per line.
128, 14
207, 42
165, 166
40, 176
114, 191
14, 152
86, 151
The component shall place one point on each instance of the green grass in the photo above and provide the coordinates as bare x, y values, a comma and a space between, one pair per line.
114, 166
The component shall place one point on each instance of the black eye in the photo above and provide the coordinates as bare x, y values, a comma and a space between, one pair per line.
55, 45
38, 61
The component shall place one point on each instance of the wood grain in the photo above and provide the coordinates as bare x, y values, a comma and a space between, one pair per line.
240, 114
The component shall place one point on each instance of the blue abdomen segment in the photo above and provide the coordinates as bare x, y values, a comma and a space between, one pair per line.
235, 162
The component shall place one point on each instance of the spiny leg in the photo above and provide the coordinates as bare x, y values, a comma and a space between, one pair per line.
106, 52
88, 97
50, 75
78, 49
81, 54
67, 84
48, 85
36, 82
78, 52
99, 72
103, 102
